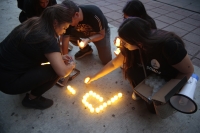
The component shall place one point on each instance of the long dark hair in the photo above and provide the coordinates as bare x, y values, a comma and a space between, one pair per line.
135, 8
137, 31
38, 9
41, 28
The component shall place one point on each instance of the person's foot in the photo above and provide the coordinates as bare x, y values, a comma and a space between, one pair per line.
37, 103
83, 52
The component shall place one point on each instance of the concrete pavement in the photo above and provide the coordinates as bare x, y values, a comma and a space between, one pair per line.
68, 114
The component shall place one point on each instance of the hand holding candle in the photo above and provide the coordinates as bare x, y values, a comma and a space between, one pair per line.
117, 42
84, 42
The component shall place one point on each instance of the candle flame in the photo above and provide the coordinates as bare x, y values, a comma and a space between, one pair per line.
87, 79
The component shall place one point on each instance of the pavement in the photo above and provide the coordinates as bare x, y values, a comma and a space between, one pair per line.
69, 115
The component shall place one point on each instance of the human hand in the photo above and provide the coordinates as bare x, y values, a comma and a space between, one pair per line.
83, 43
67, 59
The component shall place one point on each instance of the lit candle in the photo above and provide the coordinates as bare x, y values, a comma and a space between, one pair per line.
92, 110
81, 44
45, 63
112, 100
97, 96
90, 92
115, 97
101, 107
101, 99
119, 95
87, 79
104, 105
97, 110
109, 102
117, 51
117, 43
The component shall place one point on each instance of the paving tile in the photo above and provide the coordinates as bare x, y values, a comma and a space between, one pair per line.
154, 3
184, 12
184, 26
102, 3
175, 16
198, 55
105, 10
153, 14
196, 31
196, 62
176, 30
191, 21
122, 4
191, 48
114, 7
168, 7
115, 23
180, 3
160, 11
145, 1
109, 19
116, 1
91, 0
194, 38
166, 19
160, 24
149, 7
193, 8
195, 16
113, 15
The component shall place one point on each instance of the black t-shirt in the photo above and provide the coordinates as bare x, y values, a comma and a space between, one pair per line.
93, 21
17, 57
30, 10
160, 62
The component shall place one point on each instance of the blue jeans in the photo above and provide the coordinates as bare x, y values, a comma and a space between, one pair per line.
103, 45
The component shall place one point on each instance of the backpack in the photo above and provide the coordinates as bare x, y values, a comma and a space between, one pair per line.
20, 4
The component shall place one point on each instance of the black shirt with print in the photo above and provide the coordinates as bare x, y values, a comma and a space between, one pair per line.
93, 21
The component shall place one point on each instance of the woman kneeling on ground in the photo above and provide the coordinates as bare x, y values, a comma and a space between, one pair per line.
145, 51
26, 47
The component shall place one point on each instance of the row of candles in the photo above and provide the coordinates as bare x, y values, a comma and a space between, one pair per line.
98, 97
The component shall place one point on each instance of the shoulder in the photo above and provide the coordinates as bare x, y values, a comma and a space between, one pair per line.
174, 50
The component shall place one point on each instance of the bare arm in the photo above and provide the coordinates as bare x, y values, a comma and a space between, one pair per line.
185, 67
93, 38
65, 44
97, 36
109, 67
58, 64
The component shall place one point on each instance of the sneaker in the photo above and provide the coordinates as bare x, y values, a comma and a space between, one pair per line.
37, 103
70, 47
83, 52
135, 97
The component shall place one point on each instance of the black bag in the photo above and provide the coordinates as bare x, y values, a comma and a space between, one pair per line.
20, 4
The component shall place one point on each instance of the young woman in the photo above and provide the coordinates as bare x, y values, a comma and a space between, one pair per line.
33, 8
26, 47
145, 51
135, 8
